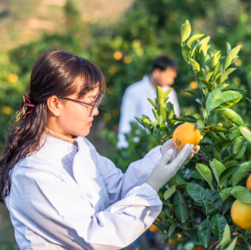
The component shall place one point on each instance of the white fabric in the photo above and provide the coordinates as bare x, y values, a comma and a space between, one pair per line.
68, 197
135, 103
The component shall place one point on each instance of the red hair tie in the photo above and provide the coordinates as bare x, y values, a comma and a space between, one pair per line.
24, 108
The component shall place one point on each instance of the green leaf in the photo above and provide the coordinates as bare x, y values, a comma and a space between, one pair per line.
234, 52
228, 48
195, 66
169, 192
172, 228
235, 89
197, 192
228, 61
204, 232
205, 172
180, 207
218, 223
230, 163
239, 247
214, 100
215, 60
241, 152
186, 118
228, 173
158, 225
225, 193
225, 75
200, 124
217, 168
213, 135
179, 180
241, 172
203, 44
152, 102
193, 51
194, 38
232, 245
217, 67
216, 129
196, 175
237, 145
230, 98
245, 131
139, 120
193, 93
167, 92
226, 239
192, 234
241, 194
186, 52
213, 202
231, 115
209, 86
185, 31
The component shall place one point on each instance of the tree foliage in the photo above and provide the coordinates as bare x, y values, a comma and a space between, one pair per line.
198, 199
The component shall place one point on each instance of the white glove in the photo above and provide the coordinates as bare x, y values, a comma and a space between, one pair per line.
170, 145
162, 173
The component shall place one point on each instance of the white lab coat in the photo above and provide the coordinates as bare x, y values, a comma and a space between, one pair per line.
135, 103
69, 197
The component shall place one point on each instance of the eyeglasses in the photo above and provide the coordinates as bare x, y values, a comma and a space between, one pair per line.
95, 105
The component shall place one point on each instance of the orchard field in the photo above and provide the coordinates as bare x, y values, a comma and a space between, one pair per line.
124, 47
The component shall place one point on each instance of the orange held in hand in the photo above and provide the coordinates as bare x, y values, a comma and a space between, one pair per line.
249, 183
241, 214
186, 133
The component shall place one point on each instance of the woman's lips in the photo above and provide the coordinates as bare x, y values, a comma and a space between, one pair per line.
90, 123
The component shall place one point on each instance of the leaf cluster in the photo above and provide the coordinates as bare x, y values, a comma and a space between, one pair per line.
198, 199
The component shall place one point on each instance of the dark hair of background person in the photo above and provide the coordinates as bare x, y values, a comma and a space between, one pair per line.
54, 73
164, 62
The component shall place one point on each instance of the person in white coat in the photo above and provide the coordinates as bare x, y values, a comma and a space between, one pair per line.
61, 194
135, 100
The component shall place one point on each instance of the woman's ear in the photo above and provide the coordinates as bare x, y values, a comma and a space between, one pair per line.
53, 105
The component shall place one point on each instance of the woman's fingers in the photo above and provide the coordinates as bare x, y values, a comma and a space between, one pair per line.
184, 153
167, 156
195, 151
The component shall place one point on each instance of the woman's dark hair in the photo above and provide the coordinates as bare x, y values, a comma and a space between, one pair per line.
164, 62
54, 73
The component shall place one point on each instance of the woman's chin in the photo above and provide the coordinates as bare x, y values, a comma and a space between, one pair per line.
85, 132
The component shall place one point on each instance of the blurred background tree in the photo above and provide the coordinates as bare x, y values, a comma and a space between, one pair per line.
122, 38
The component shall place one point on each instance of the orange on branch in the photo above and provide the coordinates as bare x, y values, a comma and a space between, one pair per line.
249, 183
241, 214
186, 133
153, 228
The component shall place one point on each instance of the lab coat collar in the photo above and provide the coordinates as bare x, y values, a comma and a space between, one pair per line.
88, 179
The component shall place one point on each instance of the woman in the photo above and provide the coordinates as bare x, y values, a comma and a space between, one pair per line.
60, 192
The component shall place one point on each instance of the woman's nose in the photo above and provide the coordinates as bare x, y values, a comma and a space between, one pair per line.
95, 111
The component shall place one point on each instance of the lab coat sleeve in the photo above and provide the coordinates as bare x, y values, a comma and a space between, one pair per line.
119, 184
44, 203
127, 112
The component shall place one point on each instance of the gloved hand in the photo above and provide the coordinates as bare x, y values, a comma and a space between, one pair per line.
170, 145
163, 172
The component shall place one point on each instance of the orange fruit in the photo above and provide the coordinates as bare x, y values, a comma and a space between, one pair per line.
241, 214
117, 55
153, 228
249, 183
186, 133
199, 248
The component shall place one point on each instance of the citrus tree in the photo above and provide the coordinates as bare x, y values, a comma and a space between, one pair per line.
207, 200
